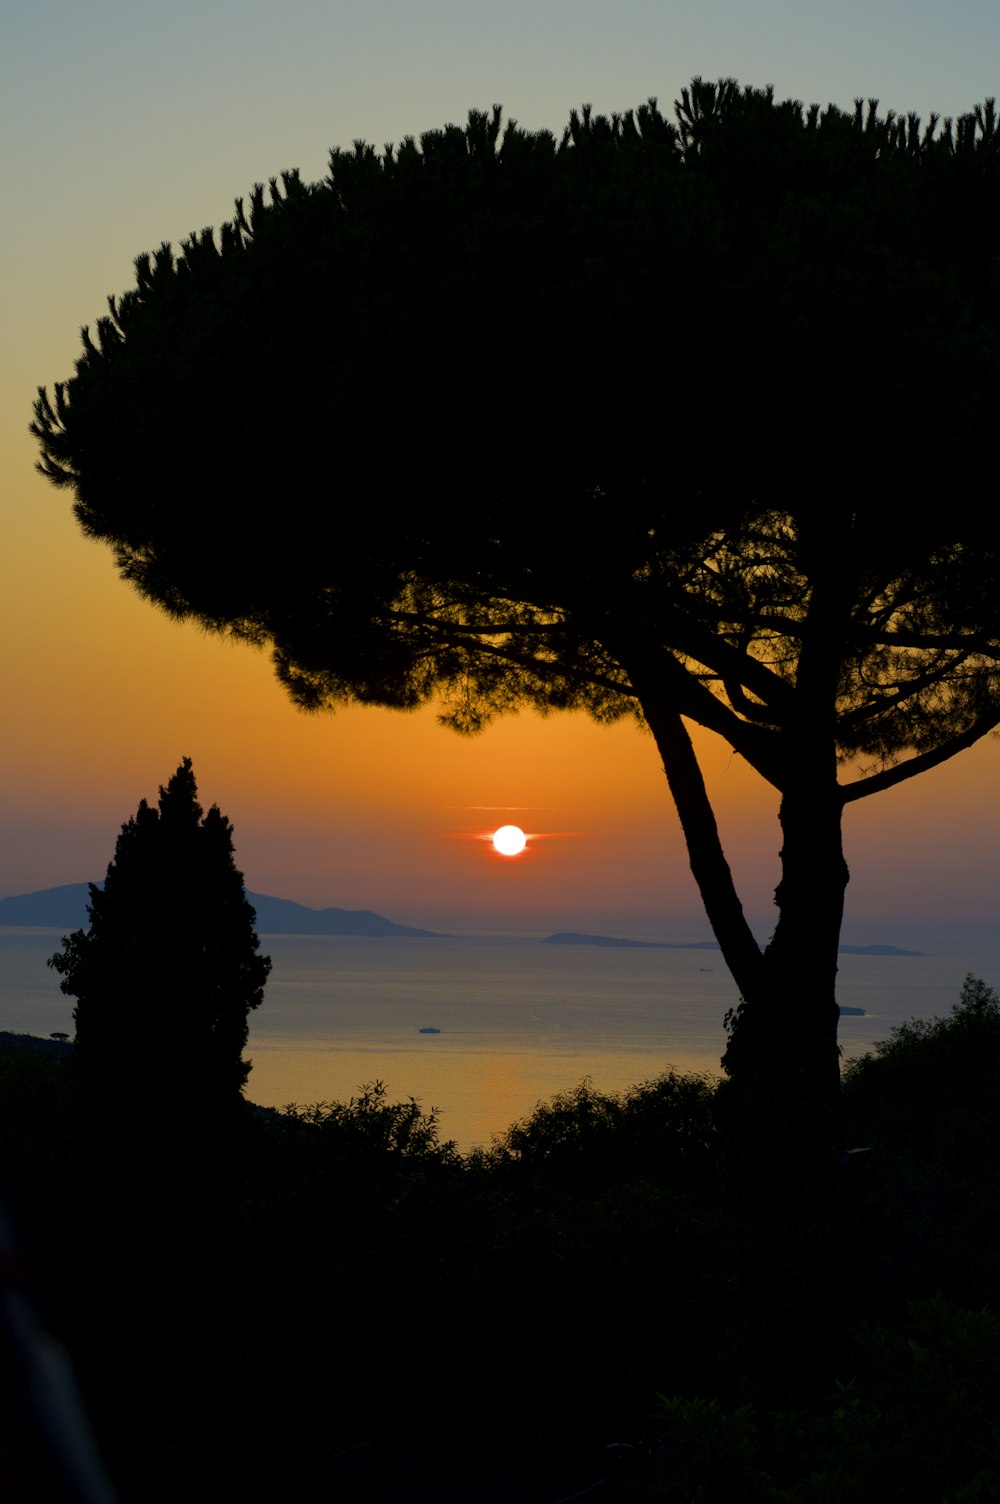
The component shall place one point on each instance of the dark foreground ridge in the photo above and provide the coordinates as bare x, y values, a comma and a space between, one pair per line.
65, 907
33, 1044
571, 937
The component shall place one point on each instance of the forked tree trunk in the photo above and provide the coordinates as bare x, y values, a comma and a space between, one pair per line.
782, 1060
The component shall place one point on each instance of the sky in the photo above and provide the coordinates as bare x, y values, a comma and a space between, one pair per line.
127, 124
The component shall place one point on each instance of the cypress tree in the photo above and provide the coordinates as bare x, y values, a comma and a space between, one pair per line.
169, 968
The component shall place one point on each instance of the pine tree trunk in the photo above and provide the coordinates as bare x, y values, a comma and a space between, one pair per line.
783, 1058
782, 1099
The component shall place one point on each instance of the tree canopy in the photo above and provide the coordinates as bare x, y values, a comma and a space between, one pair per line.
679, 419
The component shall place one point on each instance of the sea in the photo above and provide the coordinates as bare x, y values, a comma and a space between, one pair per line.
484, 1027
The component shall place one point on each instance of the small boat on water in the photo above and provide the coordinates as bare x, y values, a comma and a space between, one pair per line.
430, 1031
846, 1012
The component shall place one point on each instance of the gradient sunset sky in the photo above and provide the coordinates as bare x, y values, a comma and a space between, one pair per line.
127, 124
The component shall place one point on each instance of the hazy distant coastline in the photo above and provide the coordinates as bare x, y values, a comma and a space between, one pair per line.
571, 937
65, 907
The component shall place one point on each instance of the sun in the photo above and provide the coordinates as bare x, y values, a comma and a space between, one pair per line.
509, 840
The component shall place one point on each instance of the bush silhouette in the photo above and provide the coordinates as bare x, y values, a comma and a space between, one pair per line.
933, 1081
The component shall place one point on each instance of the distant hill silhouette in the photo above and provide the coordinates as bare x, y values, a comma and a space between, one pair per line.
65, 908
279, 916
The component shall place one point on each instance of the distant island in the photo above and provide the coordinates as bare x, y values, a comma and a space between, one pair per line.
877, 950
65, 908
571, 937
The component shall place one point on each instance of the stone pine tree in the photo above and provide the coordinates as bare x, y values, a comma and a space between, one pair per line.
169, 969
680, 420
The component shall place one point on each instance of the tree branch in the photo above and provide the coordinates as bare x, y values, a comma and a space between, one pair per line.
709, 867
889, 777
888, 694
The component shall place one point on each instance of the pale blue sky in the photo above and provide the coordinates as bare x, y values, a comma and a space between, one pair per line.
124, 123
139, 92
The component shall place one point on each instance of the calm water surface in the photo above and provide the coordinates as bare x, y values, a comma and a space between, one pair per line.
518, 1020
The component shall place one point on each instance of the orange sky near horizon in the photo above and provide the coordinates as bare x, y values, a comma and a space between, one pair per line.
376, 809
103, 695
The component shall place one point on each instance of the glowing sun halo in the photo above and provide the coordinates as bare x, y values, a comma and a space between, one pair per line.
509, 840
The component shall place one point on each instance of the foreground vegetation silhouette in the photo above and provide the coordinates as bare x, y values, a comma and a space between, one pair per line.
618, 423
592, 1302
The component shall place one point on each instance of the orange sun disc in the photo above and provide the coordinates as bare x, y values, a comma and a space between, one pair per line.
509, 840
